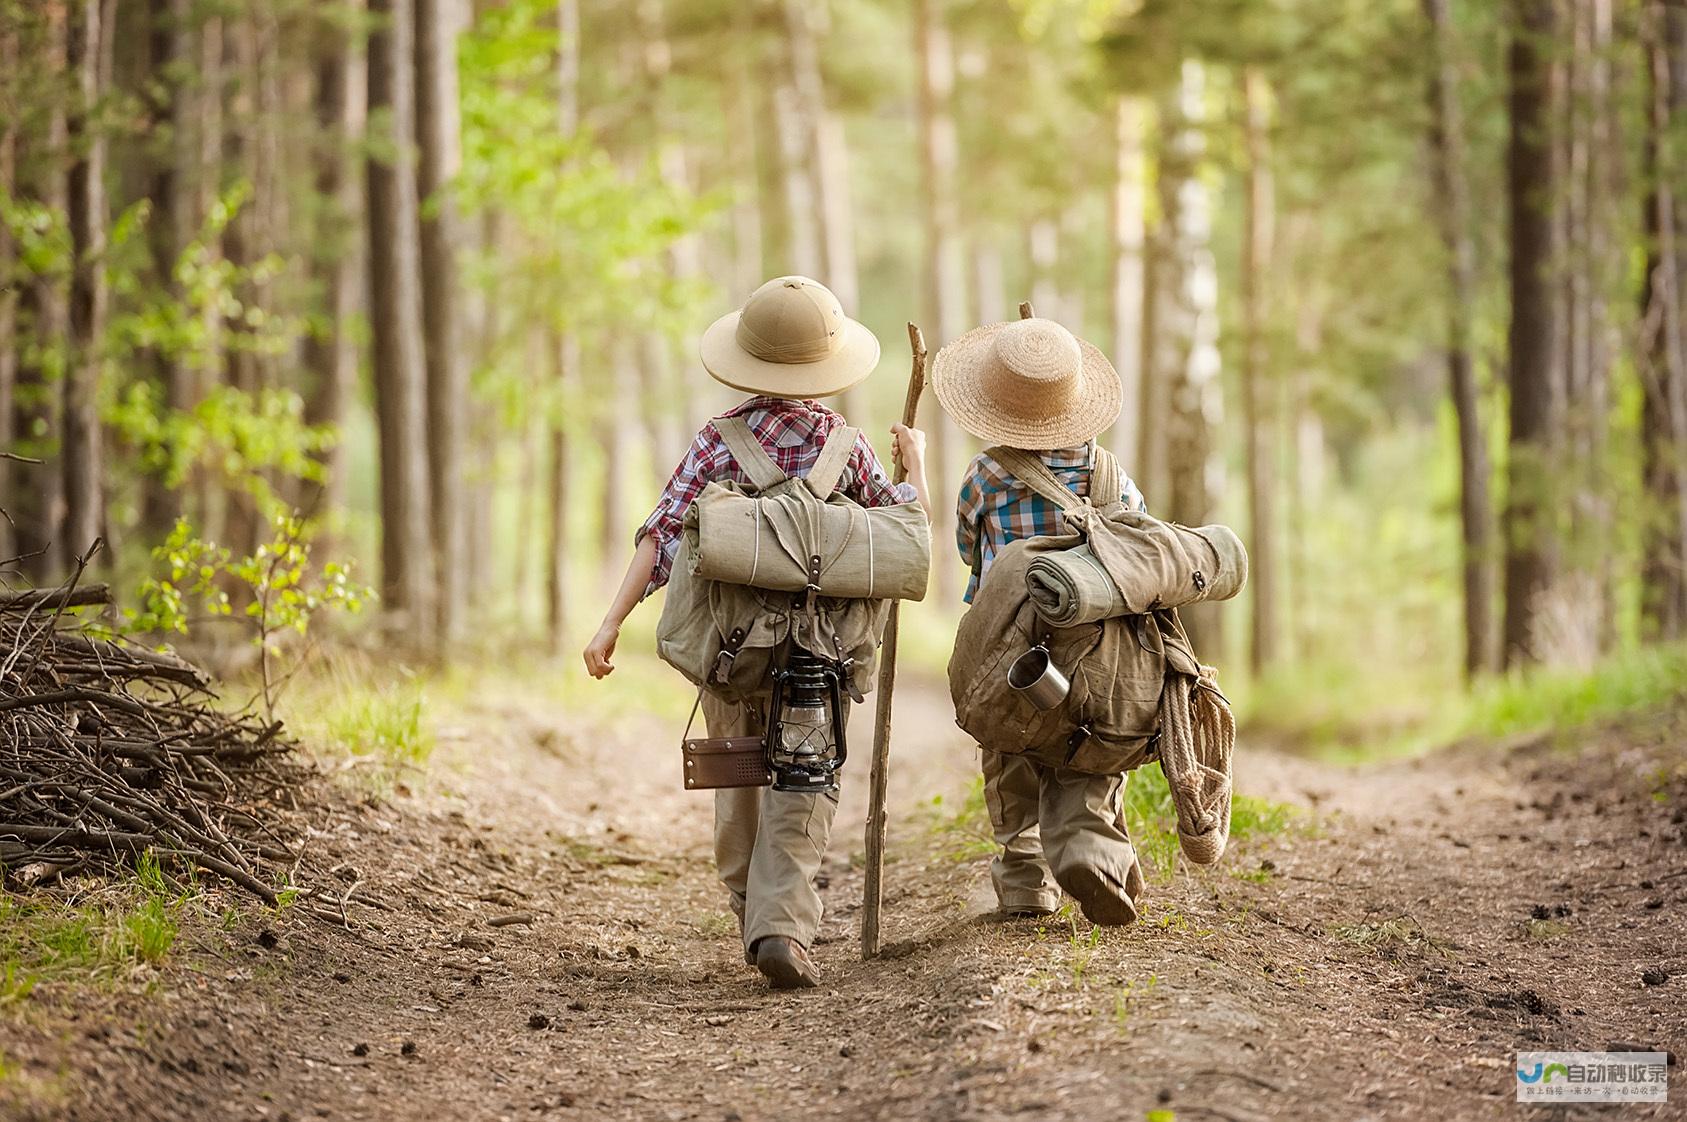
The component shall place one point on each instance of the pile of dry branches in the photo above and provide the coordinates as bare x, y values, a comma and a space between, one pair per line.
108, 750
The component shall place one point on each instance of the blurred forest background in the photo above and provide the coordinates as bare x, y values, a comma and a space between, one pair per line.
301, 294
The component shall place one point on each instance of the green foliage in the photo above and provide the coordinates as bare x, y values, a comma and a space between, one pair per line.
279, 590
620, 215
244, 440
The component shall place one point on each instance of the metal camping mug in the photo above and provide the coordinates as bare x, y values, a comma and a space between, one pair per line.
1035, 675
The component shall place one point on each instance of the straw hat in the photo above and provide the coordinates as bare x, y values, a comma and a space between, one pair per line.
791, 339
1027, 384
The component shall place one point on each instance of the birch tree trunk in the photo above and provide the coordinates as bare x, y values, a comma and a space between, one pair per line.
1259, 390
396, 321
743, 154
1186, 287
1531, 189
796, 172
1042, 251
827, 164
1453, 194
83, 458
1127, 218
989, 286
944, 301
440, 146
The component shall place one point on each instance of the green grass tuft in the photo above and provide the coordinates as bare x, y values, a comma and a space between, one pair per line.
1634, 681
963, 831
1353, 716
1153, 820
134, 924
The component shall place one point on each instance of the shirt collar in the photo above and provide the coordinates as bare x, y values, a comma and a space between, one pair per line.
770, 404
1082, 455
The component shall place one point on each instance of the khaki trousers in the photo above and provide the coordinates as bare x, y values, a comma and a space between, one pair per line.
1050, 821
768, 844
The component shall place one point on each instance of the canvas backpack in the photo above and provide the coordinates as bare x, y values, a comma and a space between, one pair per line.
1124, 671
728, 637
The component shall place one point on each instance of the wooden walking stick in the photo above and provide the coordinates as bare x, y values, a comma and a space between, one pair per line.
874, 893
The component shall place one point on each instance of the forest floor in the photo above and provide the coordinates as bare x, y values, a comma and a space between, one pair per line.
1381, 956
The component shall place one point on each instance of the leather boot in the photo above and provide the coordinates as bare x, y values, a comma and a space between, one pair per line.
785, 962
1103, 899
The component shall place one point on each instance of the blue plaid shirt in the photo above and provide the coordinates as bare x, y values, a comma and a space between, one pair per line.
995, 508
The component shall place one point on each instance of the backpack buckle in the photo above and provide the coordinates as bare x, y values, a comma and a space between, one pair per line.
728, 652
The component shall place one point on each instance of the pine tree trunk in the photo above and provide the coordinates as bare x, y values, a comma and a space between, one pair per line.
1259, 390
1453, 192
1042, 251
944, 302
396, 323
169, 190
440, 146
244, 242
989, 286
44, 165
828, 165
207, 365
331, 353
567, 352
83, 457
1532, 191
743, 154
8, 306
612, 426
1127, 218
1149, 466
1604, 188
558, 572
796, 173
1664, 326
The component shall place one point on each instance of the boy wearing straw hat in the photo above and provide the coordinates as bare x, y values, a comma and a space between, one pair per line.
1033, 386
788, 346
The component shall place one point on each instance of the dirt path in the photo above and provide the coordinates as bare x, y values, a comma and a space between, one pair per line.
1382, 963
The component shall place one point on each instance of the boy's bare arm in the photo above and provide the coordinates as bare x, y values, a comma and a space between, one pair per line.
601, 650
910, 455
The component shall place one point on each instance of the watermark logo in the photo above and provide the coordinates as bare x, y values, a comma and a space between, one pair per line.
1592, 1077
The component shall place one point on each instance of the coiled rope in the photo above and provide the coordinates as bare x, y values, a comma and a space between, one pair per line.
1199, 742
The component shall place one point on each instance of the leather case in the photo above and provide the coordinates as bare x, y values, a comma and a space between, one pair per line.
726, 761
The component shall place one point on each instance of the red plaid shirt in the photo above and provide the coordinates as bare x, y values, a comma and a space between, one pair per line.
793, 433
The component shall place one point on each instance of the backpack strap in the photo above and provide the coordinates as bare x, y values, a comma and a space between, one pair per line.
1030, 470
823, 477
1104, 478
749, 453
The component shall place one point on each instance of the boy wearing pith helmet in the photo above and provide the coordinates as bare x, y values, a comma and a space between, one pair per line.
790, 345
1031, 385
